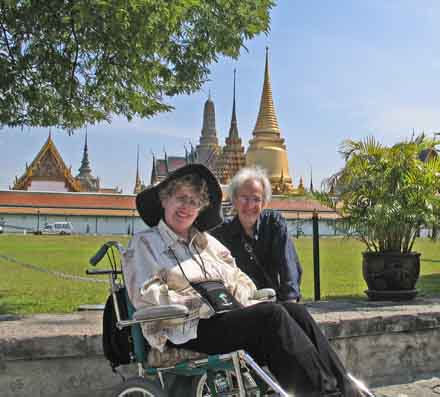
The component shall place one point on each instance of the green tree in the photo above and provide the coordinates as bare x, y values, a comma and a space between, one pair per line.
68, 63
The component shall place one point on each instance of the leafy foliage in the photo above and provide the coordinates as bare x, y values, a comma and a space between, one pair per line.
73, 62
387, 193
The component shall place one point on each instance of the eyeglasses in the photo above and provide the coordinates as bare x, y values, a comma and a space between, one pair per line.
189, 202
250, 200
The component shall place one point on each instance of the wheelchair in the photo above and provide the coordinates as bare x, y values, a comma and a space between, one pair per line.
179, 372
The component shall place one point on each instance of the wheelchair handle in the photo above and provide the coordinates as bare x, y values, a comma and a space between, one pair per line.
95, 259
100, 272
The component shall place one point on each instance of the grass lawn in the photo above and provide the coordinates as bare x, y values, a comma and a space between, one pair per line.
28, 291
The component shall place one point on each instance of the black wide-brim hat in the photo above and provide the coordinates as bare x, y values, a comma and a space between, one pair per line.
150, 208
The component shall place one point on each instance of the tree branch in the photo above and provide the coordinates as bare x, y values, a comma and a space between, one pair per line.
5, 36
75, 61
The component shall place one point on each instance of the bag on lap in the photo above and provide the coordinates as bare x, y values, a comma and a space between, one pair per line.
216, 295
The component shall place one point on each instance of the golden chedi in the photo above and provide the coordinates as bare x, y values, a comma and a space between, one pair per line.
267, 149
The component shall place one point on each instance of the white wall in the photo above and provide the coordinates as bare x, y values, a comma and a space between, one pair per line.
81, 224
47, 186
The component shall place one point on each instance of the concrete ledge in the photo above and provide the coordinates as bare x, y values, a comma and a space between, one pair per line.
382, 343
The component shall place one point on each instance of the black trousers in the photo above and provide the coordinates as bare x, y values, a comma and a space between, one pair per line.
282, 336
300, 314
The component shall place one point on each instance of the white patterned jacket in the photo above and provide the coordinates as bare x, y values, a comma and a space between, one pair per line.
149, 263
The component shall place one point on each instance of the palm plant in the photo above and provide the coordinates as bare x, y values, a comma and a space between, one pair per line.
386, 194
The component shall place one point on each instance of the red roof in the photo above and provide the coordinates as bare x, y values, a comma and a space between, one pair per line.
18, 198
300, 204
26, 202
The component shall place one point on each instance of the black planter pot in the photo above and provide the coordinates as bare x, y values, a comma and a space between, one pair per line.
391, 275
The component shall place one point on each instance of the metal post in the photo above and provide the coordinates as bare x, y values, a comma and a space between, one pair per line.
132, 223
38, 220
316, 256
297, 225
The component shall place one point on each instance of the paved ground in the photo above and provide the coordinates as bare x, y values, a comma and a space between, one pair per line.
422, 388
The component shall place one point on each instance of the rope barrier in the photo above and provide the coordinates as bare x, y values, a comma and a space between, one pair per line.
65, 276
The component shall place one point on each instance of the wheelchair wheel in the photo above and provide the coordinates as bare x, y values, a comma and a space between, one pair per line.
139, 387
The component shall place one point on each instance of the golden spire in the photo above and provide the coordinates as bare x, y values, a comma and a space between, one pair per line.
138, 182
267, 148
267, 120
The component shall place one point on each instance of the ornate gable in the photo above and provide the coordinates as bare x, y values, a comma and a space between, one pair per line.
48, 165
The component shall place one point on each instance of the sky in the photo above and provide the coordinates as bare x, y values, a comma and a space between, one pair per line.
339, 70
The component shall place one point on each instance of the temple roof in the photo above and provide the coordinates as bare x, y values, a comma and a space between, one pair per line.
47, 165
174, 162
88, 182
92, 204
85, 170
66, 203
162, 167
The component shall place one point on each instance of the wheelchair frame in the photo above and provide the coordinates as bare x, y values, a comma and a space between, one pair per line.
249, 376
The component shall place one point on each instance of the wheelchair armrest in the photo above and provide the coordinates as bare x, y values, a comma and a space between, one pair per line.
264, 294
162, 312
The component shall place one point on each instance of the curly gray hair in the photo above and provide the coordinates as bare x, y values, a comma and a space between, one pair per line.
250, 173
193, 181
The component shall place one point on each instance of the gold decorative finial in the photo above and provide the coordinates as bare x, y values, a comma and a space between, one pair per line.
267, 120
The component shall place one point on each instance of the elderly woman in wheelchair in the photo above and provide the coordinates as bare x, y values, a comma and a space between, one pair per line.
187, 282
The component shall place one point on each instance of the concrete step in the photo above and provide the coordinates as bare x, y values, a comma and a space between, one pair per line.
422, 388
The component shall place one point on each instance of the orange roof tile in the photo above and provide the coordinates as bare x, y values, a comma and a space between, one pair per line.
30, 202
66, 211
66, 200
307, 205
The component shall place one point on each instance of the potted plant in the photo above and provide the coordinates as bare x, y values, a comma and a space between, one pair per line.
385, 195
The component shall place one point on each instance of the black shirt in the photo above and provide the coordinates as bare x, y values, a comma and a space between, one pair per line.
276, 264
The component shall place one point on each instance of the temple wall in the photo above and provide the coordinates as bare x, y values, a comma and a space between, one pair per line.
17, 223
81, 224
47, 186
